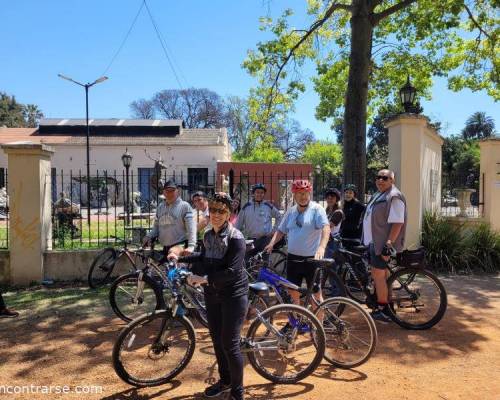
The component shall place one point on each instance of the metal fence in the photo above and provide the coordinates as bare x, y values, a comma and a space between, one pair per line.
460, 195
110, 219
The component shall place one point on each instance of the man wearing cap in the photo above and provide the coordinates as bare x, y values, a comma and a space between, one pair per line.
255, 219
353, 213
174, 224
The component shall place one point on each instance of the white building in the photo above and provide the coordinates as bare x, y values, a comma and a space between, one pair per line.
190, 155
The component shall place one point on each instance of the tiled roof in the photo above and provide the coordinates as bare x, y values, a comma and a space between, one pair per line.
188, 137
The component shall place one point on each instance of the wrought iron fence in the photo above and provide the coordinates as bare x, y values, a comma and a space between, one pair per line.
460, 195
111, 221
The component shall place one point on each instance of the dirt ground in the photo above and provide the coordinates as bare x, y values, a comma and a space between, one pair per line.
65, 337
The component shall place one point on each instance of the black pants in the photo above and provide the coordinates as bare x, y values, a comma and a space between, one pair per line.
225, 319
2, 303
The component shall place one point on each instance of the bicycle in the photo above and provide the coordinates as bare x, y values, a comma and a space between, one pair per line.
277, 260
149, 288
154, 348
101, 269
350, 331
417, 298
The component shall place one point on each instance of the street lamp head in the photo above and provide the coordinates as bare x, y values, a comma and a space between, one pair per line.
407, 95
101, 79
127, 159
64, 77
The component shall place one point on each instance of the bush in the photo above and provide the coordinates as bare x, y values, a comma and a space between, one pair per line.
459, 249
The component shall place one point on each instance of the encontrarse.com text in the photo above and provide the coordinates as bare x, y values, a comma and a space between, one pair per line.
41, 389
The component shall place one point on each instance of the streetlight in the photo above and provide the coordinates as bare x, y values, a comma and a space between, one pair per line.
127, 161
86, 86
407, 96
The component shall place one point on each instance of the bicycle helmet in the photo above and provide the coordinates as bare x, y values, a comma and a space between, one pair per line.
301, 185
259, 186
221, 197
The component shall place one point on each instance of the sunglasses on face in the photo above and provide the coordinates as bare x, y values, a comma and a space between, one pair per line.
382, 177
220, 211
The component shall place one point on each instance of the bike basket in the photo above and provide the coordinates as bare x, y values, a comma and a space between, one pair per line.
412, 258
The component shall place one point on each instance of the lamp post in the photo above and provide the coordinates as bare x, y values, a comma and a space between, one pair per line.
86, 86
127, 161
407, 96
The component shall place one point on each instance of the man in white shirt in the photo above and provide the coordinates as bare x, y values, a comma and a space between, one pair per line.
384, 226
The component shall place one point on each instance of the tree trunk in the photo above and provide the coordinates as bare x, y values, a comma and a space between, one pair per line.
354, 154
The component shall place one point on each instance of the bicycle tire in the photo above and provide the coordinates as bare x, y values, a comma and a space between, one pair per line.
354, 289
254, 300
106, 258
318, 343
201, 317
148, 281
117, 356
331, 284
396, 309
337, 328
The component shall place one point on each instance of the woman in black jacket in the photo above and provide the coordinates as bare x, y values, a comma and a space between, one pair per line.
226, 293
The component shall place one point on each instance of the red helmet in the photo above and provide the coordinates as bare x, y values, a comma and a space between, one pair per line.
299, 185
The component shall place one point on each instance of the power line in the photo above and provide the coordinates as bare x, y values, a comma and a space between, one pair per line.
124, 39
163, 45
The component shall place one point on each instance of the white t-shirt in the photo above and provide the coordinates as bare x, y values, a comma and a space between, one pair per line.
396, 216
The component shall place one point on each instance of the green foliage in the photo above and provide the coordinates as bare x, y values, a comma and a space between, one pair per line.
264, 151
457, 249
325, 154
18, 115
478, 126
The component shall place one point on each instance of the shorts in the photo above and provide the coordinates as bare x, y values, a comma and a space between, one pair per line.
376, 261
296, 270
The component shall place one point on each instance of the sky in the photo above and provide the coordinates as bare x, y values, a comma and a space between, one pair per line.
206, 40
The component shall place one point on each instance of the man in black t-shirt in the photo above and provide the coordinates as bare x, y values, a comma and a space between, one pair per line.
352, 226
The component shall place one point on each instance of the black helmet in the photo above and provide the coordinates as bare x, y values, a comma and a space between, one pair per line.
333, 192
170, 184
259, 186
221, 197
352, 187
199, 193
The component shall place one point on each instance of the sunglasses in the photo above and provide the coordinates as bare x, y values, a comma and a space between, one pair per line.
214, 210
297, 222
382, 177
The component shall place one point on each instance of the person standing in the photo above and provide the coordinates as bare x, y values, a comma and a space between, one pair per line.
308, 230
353, 209
255, 219
6, 312
335, 216
200, 203
174, 226
384, 226
222, 262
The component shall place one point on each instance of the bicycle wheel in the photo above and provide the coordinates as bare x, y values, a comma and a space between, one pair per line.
354, 288
200, 310
417, 297
102, 267
128, 301
351, 338
286, 344
153, 349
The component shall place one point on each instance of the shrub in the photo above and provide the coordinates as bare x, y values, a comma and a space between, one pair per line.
459, 249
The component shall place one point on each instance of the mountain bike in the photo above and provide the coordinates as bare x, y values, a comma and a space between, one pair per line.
154, 348
417, 298
351, 334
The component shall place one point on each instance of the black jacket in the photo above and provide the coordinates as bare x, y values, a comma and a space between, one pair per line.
352, 226
222, 259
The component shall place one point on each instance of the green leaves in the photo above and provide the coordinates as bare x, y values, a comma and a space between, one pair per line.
326, 154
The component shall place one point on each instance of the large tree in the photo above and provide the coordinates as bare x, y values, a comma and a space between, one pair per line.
364, 49
17, 115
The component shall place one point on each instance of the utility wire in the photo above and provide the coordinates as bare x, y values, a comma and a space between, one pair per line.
163, 45
124, 39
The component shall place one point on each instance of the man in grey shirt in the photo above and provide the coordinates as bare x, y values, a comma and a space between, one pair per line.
174, 226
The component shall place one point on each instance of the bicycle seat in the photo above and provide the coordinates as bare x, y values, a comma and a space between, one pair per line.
258, 287
322, 262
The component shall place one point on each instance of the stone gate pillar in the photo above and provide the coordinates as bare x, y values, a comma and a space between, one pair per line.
30, 209
415, 158
489, 178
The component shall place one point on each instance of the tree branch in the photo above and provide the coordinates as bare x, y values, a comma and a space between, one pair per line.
475, 22
315, 26
391, 10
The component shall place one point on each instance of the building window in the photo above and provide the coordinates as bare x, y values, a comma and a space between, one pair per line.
2, 178
198, 180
